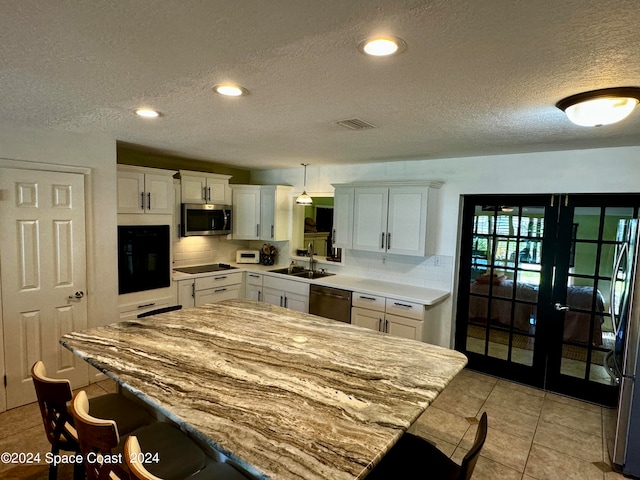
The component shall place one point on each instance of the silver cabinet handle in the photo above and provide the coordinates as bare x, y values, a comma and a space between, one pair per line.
561, 308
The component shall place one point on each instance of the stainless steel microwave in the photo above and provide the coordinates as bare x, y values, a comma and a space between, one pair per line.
205, 219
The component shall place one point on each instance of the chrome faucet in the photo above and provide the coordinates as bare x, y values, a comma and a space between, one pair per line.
312, 261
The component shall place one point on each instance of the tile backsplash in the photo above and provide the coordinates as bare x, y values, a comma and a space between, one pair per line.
203, 250
435, 271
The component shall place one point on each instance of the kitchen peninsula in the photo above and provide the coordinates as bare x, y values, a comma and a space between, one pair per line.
284, 394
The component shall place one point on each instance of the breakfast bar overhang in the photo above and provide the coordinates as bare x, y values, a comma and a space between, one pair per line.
286, 395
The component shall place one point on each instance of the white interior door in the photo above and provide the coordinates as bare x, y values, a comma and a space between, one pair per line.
43, 263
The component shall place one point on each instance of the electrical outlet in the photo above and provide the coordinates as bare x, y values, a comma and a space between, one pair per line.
436, 260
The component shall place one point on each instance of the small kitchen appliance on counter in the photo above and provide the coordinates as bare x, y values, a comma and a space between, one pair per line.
248, 256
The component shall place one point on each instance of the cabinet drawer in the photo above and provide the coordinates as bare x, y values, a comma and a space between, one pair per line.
254, 278
219, 294
215, 281
286, 285
133, 310
366, 300
405, 309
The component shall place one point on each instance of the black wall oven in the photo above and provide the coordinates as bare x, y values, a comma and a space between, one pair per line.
143, 257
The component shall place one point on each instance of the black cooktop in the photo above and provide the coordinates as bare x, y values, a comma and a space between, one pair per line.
214, 267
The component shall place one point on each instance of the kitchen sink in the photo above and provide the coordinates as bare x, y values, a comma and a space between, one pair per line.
311, 275
285, 270
301, 272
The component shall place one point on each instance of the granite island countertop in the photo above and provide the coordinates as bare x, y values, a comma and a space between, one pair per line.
287, 395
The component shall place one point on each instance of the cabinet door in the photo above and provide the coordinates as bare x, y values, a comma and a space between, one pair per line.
370, 319
370, 219
297, 302
254, 292
407, 220
159, 193
216, 191
186, 292
246, 213
214, 295
343, 218
131, 192
273, 296
267, 213
403, 327
193, 188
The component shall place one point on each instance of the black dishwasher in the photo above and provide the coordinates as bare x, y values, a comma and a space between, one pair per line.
330, 302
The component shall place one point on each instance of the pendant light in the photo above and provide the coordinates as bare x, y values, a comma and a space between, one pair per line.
304, 199
600, 107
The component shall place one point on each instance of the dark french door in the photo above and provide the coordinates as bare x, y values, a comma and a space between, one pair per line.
539, 277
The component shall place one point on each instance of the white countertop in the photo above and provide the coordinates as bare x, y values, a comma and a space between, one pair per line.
400, 291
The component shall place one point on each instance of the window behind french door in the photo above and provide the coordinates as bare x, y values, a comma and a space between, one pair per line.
536, 286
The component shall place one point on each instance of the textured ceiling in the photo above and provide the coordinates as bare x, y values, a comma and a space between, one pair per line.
478, 77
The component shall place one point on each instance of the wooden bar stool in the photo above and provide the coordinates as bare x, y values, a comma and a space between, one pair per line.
54, 396
178, 457
415, 458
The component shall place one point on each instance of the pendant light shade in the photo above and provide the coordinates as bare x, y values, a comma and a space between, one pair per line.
304, 199
600, 107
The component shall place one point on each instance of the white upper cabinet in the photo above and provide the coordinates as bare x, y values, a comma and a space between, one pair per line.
145, 190
246, 212
275, 212
200, 187
392, 219
343, 217
261, 212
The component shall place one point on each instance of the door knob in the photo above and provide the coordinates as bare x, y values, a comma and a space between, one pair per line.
77, 296
561, 308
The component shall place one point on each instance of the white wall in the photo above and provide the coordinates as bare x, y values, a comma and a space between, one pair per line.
99, 154
575, 171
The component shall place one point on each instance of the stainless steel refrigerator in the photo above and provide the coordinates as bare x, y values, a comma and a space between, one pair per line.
623, 435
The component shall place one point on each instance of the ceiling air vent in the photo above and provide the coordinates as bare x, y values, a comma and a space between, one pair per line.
356, 124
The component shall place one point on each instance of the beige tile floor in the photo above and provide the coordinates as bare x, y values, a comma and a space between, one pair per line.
533, 435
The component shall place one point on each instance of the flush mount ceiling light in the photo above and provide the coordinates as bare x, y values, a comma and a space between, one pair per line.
231, 90
382, 46
304, 199
600, 107
146, 113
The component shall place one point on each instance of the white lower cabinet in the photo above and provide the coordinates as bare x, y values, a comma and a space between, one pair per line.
209, 289
286, 293
395, 317
254, 287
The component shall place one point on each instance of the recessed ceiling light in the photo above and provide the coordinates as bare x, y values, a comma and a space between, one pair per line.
231, 90
382, 46
600, 107
146, 113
